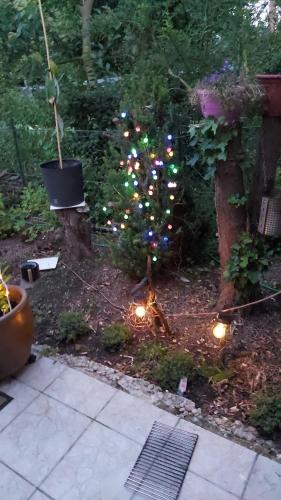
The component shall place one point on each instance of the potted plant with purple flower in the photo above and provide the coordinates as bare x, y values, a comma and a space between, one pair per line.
226, 94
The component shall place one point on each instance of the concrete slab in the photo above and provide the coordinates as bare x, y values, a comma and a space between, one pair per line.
39, 437
22, 397
265, 481
95, 468
133, 416
40, 374
12, 486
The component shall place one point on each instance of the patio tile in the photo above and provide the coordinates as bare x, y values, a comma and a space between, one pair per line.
197, 488
13, 487
96, 468
133, 417
81, 392
265, 481
22, 395
219, 460
41, 373
39, 437
38, 495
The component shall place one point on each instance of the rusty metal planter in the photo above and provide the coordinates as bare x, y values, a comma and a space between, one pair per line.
270, 216
16, 333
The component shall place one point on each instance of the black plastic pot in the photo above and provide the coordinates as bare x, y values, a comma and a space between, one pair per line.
64, 185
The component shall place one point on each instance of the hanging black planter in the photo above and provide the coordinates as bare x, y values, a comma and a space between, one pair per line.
64, 185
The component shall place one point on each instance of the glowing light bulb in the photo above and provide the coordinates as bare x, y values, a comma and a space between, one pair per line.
137, 129
175, 170
152, 156
126, 184
126, 216
150, 233
136, 196
134, 152
136, 183
172, 185
126, 133
133, 176
152, 217
122, 226
172, 197
169, 150
168, 211
150, 193
145, 140
219, 330
140, 311
171, 154
124, 114
154, 172
170, 227
104, 209
121, 163
169, 137
154, 258
137, 165
130, 170
147, 203
140, 205
155, 177
114, 229
109, 222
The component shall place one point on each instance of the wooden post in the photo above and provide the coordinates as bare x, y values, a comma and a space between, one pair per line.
231, 221
77, 233
268, 154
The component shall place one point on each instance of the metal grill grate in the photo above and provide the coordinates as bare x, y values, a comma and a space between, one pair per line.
163, 462
4, 400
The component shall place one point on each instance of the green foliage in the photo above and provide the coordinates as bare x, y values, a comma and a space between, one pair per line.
5, 220
4, 306
115, 337
266, 415
249, 260
172, 368
151, 353
32, 216
208, 143
237, 200
70, 327
215, 374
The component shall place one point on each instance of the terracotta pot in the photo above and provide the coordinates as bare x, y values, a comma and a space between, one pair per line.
272, 87
16, 333
211, 106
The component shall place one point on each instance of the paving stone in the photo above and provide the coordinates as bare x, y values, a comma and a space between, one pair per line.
38, 495
22, 395
41, 373
133, 417
96, 468
265, 481
38, 438
219, 460
13, 487
81, 392
197, 488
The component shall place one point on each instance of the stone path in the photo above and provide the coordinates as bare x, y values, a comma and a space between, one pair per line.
68, 436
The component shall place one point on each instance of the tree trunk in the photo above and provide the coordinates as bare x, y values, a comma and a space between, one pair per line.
231, 221
268, 154
272, 15
86, 11
77, 233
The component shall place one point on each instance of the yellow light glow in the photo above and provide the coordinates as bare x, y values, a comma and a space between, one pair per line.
219, 330
172, 197
122, 226
140, 311
137, 165
126, 134
136, 196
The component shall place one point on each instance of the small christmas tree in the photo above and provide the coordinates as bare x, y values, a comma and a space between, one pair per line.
140, 209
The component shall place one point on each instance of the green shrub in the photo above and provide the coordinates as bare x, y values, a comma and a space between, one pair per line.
151, 352
5, 220
32, 216
215, 374
114, 337
266, 415
172, 368
71, 326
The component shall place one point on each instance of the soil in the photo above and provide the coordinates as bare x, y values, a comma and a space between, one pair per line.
252, 351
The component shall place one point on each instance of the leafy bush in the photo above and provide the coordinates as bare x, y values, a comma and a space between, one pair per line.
172, 368
32, 216
5, 220
215, 374
114, 337
249, 259
71, 326
266, 415
151, 352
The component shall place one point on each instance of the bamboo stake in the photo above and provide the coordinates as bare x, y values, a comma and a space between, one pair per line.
51, 78
6, 291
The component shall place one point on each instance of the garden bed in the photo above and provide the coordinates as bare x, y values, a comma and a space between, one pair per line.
253, 354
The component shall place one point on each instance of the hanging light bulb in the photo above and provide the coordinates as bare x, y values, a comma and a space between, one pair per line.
140, 311
220, 327
172, 197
